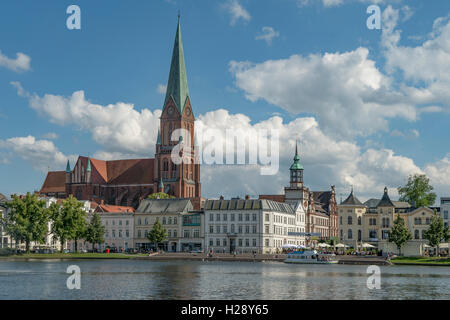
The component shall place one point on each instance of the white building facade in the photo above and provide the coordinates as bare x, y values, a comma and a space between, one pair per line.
252, 225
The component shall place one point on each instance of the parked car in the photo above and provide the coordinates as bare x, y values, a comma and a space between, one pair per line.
197, 251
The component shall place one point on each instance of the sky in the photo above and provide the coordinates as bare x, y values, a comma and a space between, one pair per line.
369, 107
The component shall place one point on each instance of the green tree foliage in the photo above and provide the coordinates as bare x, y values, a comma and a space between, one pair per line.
157, 234
95, 231
69, 221
160, 195
436, 232
399, 233
27, 220
417, 191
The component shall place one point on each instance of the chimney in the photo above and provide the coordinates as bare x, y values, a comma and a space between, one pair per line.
247, 197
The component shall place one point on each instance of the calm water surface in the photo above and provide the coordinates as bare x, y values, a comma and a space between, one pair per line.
128, 279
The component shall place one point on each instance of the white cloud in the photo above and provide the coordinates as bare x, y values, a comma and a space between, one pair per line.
41, 154
439, 174
268, 34
346, 91
118, 127
161, 89
335, 3
21, 63
236, 11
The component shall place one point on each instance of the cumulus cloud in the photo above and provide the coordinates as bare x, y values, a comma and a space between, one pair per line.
50, 136
236, 11
346, 91
41, 154
19, 64
117, 127
268, 34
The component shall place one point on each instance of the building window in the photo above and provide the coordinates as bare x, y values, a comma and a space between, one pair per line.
416, 234
218, 242
423, 234
211, 229
196, 233
224, 242
218, 217
359, 221
349, 220
349, 234
446, 214
267, 217
225, 217
247, 242
146, 221
240, 229
266, 228
254, 217
232, 228
175, 220
373, 234
267, 242
175, 233
169, 220
341, 234
247, 217
240, 217
164, 220
217, 229
254, 229
225, 229
169, 233
247, 229
211, 217
211, 242
385, 234
340, 220
359, 235
240, 242
187, 234
254, 242
139, 233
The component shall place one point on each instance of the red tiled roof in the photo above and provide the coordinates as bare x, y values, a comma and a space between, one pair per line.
273, 197
130, 171
54, 182
106, 208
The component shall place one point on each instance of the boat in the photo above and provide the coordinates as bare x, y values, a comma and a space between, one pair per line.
310, 257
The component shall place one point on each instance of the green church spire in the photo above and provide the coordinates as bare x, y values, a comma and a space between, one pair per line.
296, 165
177, 86
68, 167
158, 141
88, 169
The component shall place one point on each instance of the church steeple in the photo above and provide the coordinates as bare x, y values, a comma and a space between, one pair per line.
296, 170
177, 86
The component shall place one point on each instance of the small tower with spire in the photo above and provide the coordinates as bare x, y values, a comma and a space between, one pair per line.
68, 171
296, 171
88, 171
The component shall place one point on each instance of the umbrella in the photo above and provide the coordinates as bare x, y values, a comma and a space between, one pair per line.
341, 245
323, 245
288, 246
300, 246
367, 245
426, 246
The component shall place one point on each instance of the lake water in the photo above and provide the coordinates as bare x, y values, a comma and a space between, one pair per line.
140, 279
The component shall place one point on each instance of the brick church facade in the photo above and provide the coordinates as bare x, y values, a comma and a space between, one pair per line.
127, 182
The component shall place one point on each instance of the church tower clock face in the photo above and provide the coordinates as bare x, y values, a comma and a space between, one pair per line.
188, 112
170, 111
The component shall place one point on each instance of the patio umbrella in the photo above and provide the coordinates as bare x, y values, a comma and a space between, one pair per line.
367, 245
323, 245
341, 245
288, 246
300, 246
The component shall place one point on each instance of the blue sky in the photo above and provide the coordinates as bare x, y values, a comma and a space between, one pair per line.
123, 51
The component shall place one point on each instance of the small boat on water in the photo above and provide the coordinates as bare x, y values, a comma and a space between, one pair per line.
310, 257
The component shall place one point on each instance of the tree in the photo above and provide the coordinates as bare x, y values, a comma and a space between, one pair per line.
399, 233
69, 221
436, 232
417, 191
447, 238
160, 195
157, 234
27, 220
95, 231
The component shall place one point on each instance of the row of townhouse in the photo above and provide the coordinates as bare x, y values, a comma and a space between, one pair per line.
236, 225
371, 221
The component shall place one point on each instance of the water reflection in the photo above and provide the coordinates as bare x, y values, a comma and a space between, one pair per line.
128, 279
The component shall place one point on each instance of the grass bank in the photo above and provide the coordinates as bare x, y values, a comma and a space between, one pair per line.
428, 261
72, 256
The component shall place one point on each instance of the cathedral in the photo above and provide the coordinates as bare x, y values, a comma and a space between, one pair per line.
127, 182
